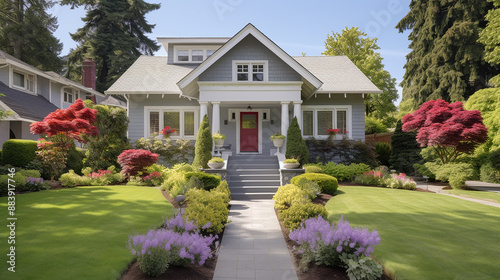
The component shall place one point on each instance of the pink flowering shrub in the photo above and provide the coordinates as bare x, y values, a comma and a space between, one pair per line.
330, 244
153, 179
177, 243
135, 161
99, 178
401, 182
371, 178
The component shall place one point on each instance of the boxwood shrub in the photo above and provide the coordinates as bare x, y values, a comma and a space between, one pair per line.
288, 195
19, 152
210, 181
327, 183
299, 212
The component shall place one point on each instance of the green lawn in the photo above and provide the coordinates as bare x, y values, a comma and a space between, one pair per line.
482, 195
425, 235
79, 233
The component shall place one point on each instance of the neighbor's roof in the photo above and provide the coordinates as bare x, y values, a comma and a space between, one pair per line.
7, 58
114, 102
27, 106
338, 74
151, 74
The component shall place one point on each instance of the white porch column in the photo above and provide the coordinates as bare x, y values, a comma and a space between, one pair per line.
215, 117
297, 111
284, 117
203, 110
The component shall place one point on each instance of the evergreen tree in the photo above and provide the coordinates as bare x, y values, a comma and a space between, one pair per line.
405, 151
446, 61
360, 49
114, 36
26, 33
203, 147
490, 37
295, 145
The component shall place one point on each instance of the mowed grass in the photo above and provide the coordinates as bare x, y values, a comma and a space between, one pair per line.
425, 235
79, 233
482, 195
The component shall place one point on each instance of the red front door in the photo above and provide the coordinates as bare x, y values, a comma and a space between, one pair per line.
249, 132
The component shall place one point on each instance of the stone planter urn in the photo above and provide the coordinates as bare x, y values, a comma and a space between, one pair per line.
218, 143
215, 165
291, 165
278, 143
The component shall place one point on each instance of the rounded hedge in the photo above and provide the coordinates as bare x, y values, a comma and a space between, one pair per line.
327, 183
19, 152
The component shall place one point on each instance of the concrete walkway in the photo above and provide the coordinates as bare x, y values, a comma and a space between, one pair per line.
253, 246
477, 185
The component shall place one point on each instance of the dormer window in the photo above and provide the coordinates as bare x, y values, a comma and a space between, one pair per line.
197, 55
250, 71
23, 81
183, 55
70, 95
193, 54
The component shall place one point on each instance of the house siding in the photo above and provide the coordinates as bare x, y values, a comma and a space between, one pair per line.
358, 109
56, 94
249, 49
137, 102
43, 88
4, 75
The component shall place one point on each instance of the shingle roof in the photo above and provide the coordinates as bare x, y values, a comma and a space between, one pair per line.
338, 74
151, 74
114, 102
28, 106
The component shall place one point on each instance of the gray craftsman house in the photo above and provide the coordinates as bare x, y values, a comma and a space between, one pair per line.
249, 88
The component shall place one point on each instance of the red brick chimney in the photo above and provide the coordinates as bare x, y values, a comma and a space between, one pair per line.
88, 73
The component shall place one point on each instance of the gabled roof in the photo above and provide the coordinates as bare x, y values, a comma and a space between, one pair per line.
151, 74
25, 105
338, 74
113, 102
7, 58
189, 81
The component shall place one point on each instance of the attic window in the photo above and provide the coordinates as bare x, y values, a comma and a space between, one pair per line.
183, 55
193, 54
250, 71
23, 81
197, 55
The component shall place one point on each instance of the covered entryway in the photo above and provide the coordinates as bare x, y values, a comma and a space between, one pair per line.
249, 132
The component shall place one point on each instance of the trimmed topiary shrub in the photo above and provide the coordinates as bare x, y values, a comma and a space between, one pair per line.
287, 195
383, 151
295, 145
203, 147
327, 183
405, 151
299, 212
18, 152
209, 181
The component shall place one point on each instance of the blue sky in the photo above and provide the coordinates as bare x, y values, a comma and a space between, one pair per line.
296, 26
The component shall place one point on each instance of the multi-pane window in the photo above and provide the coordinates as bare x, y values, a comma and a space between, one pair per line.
197, 55
24, 81
183, 55
68, 95
255, 72
242, 72
183, 121
317, 120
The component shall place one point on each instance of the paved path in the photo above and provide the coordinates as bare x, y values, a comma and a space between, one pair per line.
253, 246
477, 185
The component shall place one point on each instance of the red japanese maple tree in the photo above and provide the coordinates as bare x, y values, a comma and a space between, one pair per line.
135, 161
448, 128
72, 122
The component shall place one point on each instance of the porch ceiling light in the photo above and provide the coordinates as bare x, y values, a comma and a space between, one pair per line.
249, 108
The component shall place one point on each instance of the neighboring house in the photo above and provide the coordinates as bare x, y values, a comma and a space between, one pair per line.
249, 87
114, 102
31, 94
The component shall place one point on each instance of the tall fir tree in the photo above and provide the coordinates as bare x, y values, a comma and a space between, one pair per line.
446, 60
26, 33
361, 50
405, 151
114, 36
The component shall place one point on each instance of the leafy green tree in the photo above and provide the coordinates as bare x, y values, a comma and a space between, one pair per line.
114, 36
104, 148
295, 145
405, 151
360, 49
487, 101
4, 114
26, 33
446, 60
373, 125
203, 147
490, 37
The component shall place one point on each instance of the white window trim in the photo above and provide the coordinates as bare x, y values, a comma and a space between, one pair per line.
74, 92
191, 48
334, 109
250, 70
25, 74
181, 110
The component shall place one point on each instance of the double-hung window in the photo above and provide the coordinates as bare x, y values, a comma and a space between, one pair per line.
250, 71
183, 120
70, 95
316, 120
193, 54
23, 81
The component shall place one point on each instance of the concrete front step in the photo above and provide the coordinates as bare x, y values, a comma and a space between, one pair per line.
251, 196
254, 171
254, 183
245, 176
234, 166
246, 189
